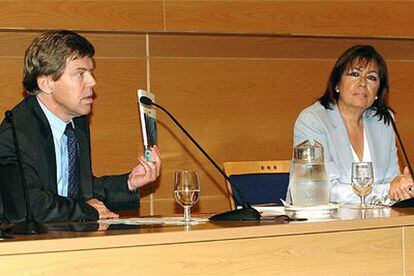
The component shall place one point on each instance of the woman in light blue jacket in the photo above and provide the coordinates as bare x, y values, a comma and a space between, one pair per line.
352, 122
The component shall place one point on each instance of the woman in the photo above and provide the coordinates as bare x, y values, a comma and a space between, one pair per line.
352, 122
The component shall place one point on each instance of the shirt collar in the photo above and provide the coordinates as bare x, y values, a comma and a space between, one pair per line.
57, 125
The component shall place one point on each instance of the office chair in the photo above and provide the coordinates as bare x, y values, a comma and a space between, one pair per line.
259, 181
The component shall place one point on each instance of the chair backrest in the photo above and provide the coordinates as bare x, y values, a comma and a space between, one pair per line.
259, 181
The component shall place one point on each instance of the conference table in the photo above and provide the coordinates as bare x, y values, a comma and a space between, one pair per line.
348, 241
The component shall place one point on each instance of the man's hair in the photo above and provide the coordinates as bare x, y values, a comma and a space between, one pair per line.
48, 54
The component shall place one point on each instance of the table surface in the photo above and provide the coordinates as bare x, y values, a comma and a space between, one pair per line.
94, 235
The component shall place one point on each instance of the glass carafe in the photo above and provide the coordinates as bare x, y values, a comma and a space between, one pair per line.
309, 185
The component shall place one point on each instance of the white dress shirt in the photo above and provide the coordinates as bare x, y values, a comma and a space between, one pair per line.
61, 151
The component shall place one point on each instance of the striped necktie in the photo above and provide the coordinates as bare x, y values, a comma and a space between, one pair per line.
73, 161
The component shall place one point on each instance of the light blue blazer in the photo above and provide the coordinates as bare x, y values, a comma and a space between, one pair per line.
327, 127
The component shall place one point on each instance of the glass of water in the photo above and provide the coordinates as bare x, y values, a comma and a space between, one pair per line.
362, 180
186, 190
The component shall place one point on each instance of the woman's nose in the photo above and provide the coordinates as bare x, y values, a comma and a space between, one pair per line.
363, 82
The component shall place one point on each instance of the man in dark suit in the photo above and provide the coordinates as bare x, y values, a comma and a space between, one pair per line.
53, 132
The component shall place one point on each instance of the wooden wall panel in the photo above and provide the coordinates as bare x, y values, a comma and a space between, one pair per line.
117, 46
12, 48
14, 43
401, 87
243, 106
238, 109
237, 88
10, 84
271, 47
81, 15
352, 18
115, 128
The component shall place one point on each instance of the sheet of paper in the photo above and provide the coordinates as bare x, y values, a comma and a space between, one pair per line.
155, 221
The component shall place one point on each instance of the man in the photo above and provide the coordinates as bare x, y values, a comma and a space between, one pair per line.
53, 133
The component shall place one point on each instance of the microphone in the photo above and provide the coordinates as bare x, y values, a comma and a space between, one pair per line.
246, 212
408, 202
29, 226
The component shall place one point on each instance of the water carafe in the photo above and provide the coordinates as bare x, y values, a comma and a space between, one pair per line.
309, 185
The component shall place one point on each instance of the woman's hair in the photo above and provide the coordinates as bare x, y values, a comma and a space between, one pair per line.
361, 55
48, 54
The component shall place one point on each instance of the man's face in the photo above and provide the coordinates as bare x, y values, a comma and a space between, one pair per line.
72, 93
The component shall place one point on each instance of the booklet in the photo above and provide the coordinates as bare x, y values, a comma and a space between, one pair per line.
148, 117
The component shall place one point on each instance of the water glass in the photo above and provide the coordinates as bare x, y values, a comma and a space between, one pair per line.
362, 180
186, 190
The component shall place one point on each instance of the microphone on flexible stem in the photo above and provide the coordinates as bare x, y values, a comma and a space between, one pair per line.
408, 202
246, 212
29, 226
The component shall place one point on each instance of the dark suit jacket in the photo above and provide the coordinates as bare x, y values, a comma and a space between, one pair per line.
39, 164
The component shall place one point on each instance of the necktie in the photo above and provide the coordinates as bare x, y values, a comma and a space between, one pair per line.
73, 161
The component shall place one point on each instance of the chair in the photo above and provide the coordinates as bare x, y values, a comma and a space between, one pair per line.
259, 181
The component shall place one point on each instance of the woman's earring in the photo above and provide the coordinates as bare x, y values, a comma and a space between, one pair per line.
376, 97
337, 90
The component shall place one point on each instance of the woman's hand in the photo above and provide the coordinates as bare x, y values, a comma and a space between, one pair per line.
402, 187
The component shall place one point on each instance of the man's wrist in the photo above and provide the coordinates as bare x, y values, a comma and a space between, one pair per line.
132, 189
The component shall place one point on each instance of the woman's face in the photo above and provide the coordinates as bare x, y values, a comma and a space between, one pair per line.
359, 85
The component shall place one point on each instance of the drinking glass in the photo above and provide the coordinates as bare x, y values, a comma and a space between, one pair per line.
362, 180
383, 201
186, 190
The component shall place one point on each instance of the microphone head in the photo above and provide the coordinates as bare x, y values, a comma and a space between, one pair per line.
145, 100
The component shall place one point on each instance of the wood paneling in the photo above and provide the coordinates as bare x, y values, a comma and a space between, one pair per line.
83, 15
352, 18
117, 46
14, 44
238, 109
237, 94
243, 106
115, 126
11, 91
12, 48
401, 86
371, 252
271, 47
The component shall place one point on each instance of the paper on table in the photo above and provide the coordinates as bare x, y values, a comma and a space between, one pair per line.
317, 213
270, 210
154, 221
319, 208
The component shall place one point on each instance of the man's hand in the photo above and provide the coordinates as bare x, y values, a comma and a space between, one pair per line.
104, 213
145, 172
401, 187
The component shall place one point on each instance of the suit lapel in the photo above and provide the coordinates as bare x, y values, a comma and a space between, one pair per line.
343, 147
47, 141
82, 133
372, 132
